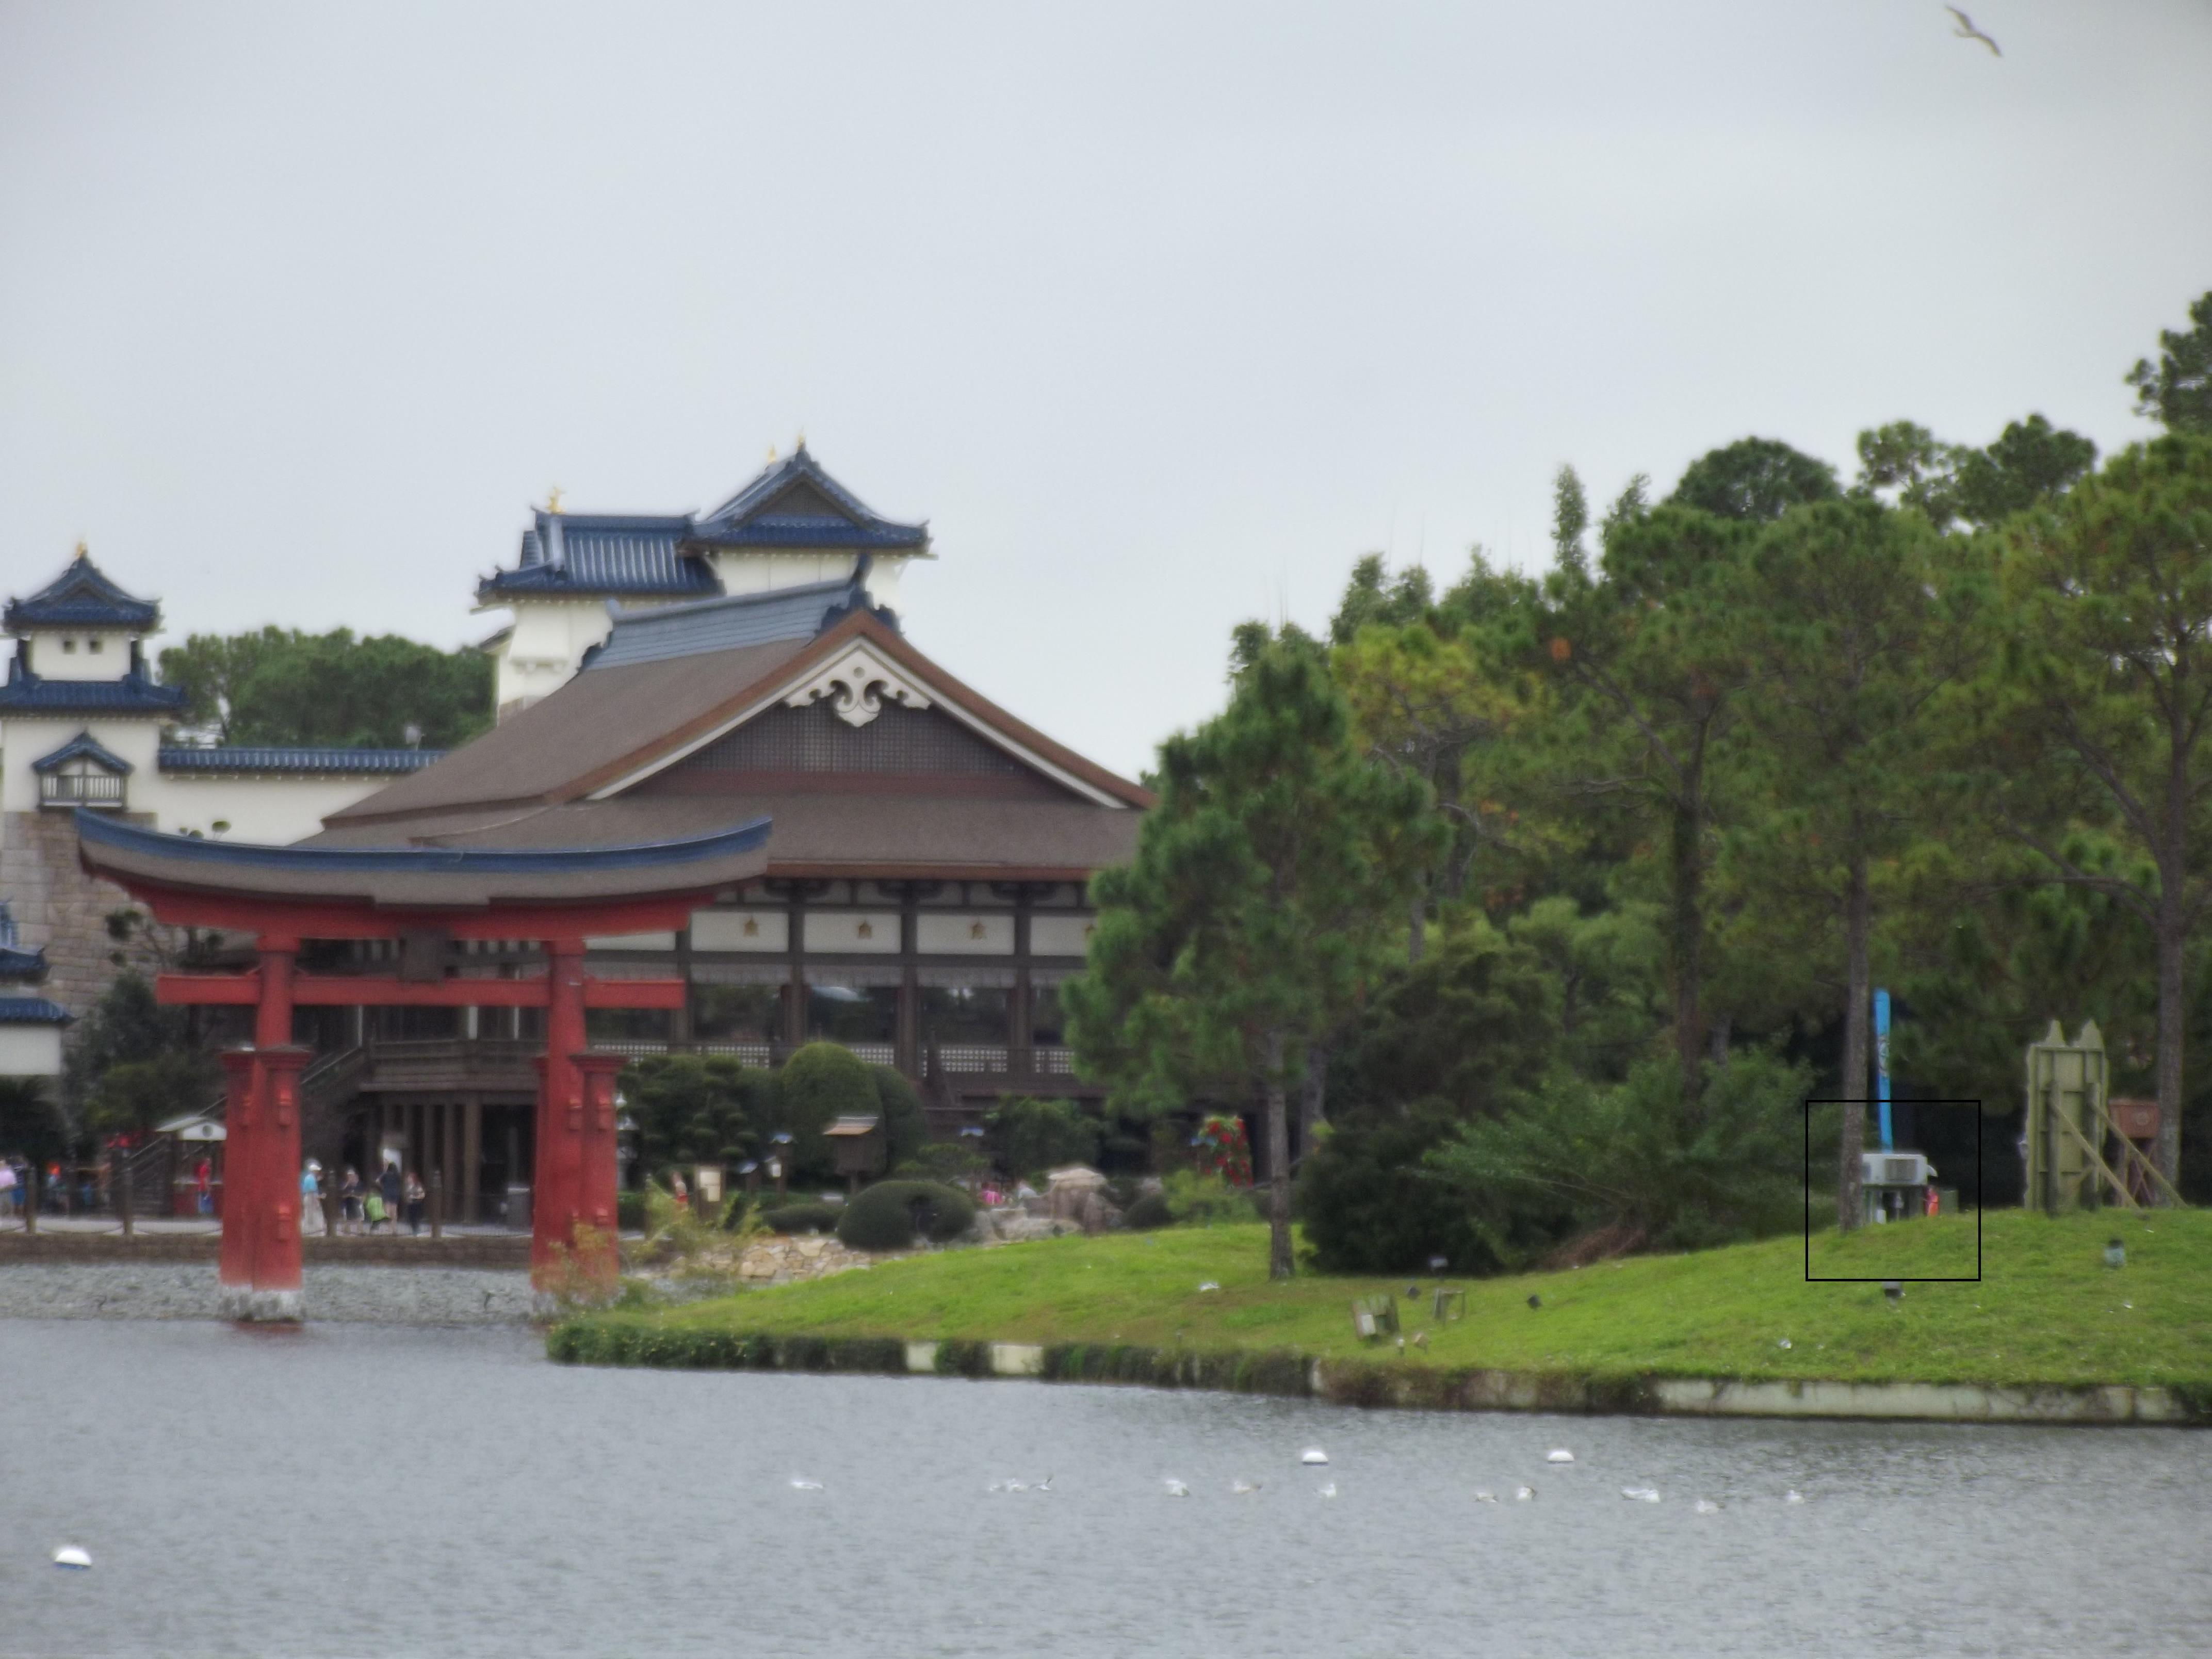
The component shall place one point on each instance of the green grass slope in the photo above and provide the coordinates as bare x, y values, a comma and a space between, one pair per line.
2047, 1310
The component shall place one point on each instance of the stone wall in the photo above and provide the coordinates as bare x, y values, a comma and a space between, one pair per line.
62, 910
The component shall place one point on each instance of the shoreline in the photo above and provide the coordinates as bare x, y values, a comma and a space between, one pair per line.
428, 1295
588, 1340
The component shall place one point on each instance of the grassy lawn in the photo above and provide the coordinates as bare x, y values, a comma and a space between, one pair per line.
2047, 1310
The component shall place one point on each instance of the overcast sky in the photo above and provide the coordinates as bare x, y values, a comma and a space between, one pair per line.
1160, 314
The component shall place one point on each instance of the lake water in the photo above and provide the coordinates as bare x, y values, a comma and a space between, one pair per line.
364, 1490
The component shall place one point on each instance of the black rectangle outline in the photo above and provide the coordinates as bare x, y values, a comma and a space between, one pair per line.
1979, 1131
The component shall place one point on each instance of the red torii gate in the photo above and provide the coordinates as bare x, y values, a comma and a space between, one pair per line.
422, 896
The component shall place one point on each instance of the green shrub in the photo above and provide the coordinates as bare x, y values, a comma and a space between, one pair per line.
692, 1108
1029, 1135
1370, 1206
818, 1084
906, 1128
1150, 1210
815, 1217
888, 1215
1198, 1201
949, 1161
629, 1211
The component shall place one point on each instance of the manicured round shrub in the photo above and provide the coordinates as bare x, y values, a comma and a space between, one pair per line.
1150, 1211
818, 1084
803, 1219
888, 1215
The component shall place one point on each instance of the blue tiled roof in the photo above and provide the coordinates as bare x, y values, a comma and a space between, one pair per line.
263, 759
748, 518
672, 854
32, 1010
17, 964
722, 624
635, 557
592, 555
82, 747
81, 597
27, 692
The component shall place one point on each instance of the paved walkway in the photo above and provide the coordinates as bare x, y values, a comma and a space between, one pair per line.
208, 1227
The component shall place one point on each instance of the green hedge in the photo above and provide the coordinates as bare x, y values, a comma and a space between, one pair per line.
811, 1217
630, 1212
887, 1215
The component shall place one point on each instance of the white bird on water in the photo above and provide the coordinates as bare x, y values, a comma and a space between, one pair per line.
1523, 1494
1329, 1489
73, 1557
1481, 1497
1244, 1488
1176, 1488
1641, 1494
1793, 1495
1706, 1506
1045, 1485
1560, 1455
800, 1483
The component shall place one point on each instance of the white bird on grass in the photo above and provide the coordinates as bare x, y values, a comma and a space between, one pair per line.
1176, 1488
1967, 31
800, 1483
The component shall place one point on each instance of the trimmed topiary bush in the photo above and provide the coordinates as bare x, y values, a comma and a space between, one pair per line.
1150, 1211
818, 1084
888, 1215
816, 1218
906, 1128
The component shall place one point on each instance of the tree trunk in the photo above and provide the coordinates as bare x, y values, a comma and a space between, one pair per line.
1280, 1263
1857, 1015
1687, 945
2172, 939
1313, 1098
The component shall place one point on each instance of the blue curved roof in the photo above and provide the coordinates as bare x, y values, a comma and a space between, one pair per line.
83, 746
32, 1010
27, 692
83, 597
17, 964
96, 831
749, 519
793, 503
255, 758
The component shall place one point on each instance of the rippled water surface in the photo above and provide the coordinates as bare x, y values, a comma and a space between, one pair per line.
363, 1491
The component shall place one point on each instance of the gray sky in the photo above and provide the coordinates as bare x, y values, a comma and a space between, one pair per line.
1160, 313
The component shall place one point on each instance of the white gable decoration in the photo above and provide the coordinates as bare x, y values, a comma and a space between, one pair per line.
856, 683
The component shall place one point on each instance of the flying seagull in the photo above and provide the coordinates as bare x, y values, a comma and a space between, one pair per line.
1967, 31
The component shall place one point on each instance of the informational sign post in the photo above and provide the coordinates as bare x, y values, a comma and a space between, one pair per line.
1881, 1064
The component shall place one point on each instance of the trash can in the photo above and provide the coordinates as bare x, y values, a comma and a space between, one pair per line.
518, 1209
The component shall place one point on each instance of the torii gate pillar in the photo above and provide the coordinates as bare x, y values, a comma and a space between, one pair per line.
259, 1270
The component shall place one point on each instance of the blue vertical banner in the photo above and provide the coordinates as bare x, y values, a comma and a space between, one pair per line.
1882, 1062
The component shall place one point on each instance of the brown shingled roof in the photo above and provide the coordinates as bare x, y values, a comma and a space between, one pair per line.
608, 724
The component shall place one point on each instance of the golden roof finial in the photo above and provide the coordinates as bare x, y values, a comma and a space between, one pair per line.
81, 548
553, 499
802, 438
771, 454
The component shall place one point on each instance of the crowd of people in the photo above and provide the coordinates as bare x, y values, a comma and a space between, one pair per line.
394, 1197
